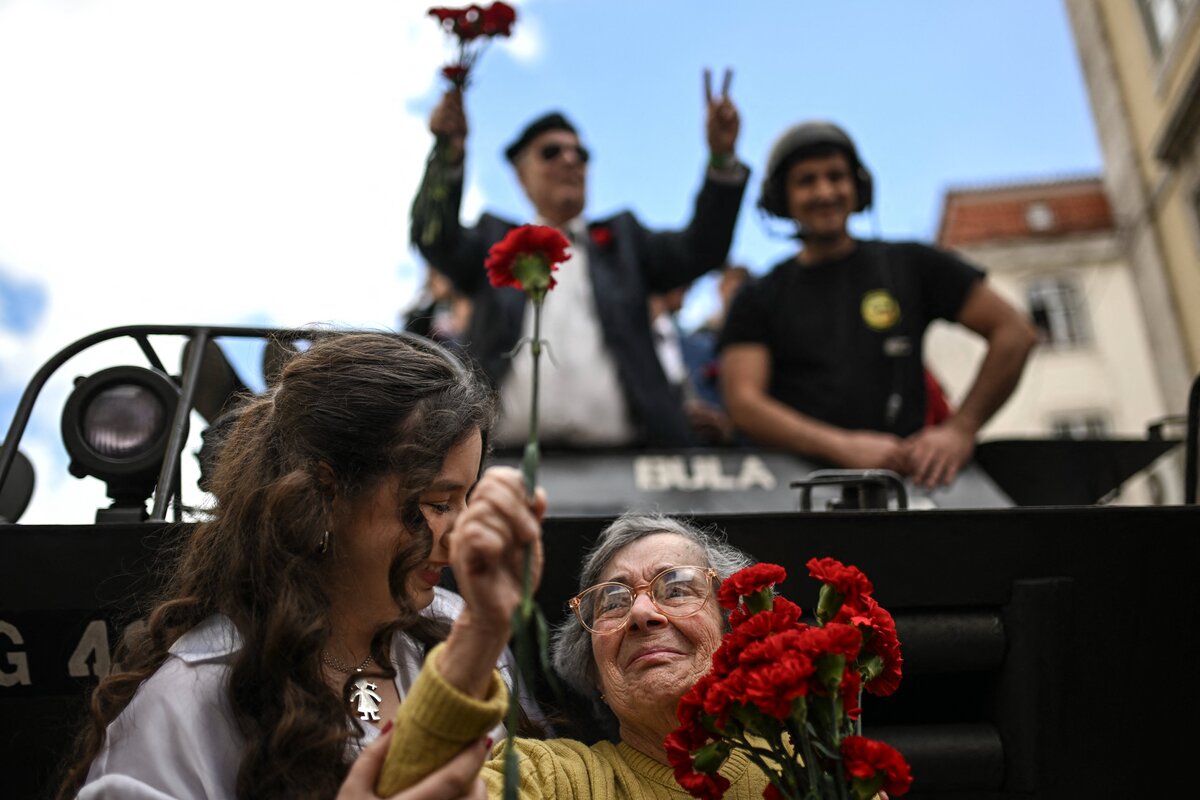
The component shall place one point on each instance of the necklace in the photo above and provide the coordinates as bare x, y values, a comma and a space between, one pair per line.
364, 696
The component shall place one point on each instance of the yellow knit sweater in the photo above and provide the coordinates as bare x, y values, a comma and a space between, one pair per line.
436, 721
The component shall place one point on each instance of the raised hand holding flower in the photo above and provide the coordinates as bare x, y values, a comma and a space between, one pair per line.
472, 28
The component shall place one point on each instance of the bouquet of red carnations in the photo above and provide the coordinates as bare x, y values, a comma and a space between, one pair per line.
473, 27
787, 694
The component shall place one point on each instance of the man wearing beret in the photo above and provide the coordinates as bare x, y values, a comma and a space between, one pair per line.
604, 386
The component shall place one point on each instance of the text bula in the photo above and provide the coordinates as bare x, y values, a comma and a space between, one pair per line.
699, 472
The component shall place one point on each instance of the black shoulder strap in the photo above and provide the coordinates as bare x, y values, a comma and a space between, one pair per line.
898, 347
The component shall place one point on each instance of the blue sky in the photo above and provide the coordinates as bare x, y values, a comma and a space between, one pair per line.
252, 161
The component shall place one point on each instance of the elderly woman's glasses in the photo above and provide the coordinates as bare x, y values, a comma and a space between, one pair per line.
676, 592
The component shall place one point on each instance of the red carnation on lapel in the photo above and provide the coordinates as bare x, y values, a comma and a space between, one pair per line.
601, 236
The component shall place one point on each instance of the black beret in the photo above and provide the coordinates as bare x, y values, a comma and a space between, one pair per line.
554, 121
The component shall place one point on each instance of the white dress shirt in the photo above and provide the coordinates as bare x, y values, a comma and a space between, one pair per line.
582, 401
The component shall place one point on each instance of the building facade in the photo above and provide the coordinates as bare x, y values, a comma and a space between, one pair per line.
1141, 63
1052, 249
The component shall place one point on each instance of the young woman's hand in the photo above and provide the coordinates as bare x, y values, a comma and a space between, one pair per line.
487, 553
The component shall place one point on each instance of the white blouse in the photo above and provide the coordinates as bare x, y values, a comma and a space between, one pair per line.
178, 738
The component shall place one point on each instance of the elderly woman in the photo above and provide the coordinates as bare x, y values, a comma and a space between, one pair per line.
646, 625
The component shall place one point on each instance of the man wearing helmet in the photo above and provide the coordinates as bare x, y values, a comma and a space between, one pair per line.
822, 356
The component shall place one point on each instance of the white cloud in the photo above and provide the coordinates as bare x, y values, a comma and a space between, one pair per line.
207, 162
527, 42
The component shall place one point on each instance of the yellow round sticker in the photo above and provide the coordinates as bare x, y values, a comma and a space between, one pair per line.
880, 310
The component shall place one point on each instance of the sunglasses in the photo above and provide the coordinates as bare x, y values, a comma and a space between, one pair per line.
549, 152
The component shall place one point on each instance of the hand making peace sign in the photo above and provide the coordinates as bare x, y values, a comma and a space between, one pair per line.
721, 122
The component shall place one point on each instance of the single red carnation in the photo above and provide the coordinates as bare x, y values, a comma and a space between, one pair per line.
691, 705
498, 19
722, 695
748, 581
833, 649
771, 793
705, 787
774, 647
456, 74
849, 582
879, 639
784, 615
851, 683
601, 236
679, 756
678, 751
469, 23
865, 759
834, 638
773, 685
525, 258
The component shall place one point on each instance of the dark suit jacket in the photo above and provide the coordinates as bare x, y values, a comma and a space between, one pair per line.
632, 263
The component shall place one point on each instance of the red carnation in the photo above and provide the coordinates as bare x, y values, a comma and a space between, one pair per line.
748, 581
601, 236
851, 684
867, 760
698, 784
525, 258
498, 19
784, 615
834, 638
721, 695
455, 74
469, 23
842, 584
773, 685
849, 582
880, 640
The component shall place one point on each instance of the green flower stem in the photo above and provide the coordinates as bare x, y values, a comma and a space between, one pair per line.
810, 764
836, 699
753, 753
524, 612
529, 464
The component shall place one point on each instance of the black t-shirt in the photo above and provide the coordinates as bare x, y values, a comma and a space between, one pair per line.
845, 335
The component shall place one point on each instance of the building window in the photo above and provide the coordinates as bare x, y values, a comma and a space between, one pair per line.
1057, 308
1039, 216
1086, 425
1161, 18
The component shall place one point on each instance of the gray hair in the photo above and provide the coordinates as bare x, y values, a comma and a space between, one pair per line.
571, 647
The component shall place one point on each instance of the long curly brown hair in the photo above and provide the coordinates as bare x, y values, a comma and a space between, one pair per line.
367, 405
